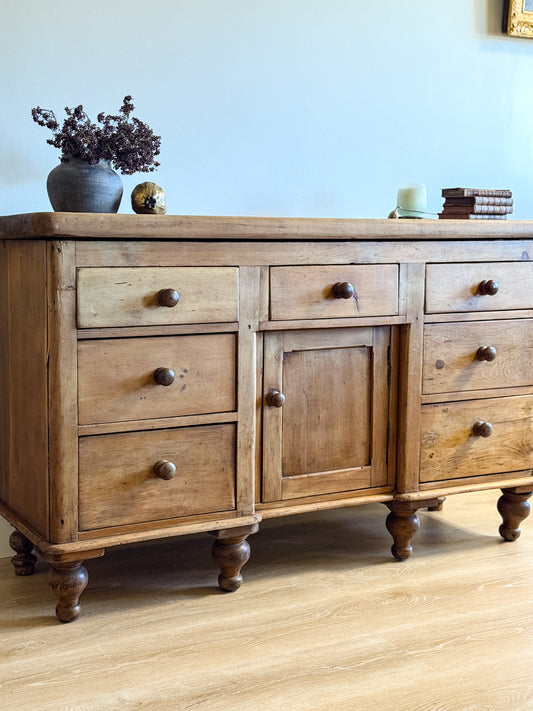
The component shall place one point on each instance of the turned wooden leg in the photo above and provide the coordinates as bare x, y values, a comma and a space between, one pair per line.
24, 560
402, 524
68, 580
231, 551
439, 505
514, 507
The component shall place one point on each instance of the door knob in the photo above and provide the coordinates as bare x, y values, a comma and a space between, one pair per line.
275, 398
490, 287
167, 297
343, 290
164, 376
482, 429
486, 353
164, 469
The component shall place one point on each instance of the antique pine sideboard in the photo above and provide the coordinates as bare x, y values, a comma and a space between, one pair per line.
166, 375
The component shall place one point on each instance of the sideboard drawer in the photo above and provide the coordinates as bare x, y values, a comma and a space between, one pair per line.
453, 447
477, 356
142, 378
119, 484
310, 292
135, 296
484, 286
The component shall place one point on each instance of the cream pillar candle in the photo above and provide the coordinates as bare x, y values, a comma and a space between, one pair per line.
412, 200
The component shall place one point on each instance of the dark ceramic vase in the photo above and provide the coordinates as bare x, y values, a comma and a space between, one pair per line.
77, 186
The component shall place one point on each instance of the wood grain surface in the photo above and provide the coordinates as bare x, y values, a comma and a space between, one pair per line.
135, 227
451, 448
451, 361
23, 392
129, 297
456, 287
117, 383
118, 484
325, 620
307, 292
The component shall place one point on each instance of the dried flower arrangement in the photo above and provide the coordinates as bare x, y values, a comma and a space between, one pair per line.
126, 142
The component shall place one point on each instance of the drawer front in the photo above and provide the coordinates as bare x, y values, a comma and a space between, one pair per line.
477, 356
468, 287
117, 378
451, 448
309, 293
118, 483
130, 296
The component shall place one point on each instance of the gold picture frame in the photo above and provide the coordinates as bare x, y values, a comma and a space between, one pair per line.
518, 18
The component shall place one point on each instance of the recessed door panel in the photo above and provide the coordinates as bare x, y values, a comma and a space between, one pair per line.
325, 411
328, 394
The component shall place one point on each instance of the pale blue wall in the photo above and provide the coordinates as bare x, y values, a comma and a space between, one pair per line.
277, 107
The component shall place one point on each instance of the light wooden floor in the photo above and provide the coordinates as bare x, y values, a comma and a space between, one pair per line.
326, 619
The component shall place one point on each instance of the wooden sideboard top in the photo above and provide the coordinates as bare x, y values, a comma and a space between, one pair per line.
78, 225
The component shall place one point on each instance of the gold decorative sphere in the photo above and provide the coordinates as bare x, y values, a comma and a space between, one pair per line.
148, 199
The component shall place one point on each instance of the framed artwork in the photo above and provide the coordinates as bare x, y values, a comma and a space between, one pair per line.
518, 18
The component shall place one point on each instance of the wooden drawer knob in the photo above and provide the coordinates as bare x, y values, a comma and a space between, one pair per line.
482, 429
488, 288
274, 398
164, 469
343, 290
488, 353
164, 376
168, 297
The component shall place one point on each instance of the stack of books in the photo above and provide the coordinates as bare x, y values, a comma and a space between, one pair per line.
476, 204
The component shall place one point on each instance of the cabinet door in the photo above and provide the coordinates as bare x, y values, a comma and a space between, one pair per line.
326, 430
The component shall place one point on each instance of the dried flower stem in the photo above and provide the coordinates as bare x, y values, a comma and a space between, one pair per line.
127, 143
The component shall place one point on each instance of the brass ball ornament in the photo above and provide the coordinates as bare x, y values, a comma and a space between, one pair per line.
148, 199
